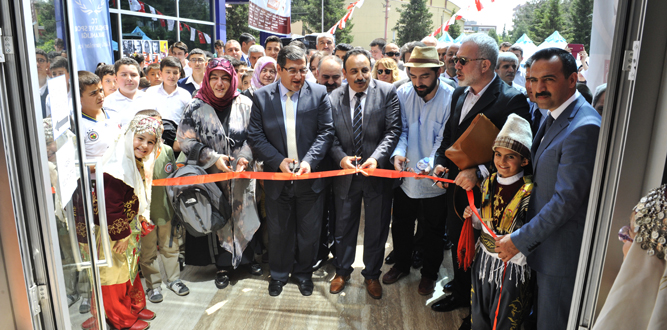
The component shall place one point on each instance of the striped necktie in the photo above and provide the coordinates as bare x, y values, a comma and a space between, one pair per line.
357, 122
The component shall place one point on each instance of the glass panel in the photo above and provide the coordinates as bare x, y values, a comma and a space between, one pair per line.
56, 87
186, 34
195, 9
166, 7
134, 26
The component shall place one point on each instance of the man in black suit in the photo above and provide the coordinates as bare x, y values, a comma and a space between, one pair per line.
481, 92
367, 118
291, 130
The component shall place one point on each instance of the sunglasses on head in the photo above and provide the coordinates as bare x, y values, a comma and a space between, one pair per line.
465, 61
387, 71
392, 54
219, 61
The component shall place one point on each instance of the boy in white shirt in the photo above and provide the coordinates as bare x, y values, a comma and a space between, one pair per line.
128, 100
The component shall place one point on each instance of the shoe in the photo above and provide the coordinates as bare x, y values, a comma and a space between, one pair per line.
449, 287
373, 288
154, 295
426, 286
72, 298
89, 323
275, 287
179, 288
389, 260
140, 325
306, 287
338, 283
449, 304
221, 280
392, 276
85, 306
256, 268
417, 259
467, 324
146, 315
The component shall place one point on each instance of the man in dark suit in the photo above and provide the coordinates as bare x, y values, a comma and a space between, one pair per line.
291, 130
367, 118
481, 92
563, 157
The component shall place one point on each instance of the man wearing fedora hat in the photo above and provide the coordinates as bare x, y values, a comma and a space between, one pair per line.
425, 105
481, 91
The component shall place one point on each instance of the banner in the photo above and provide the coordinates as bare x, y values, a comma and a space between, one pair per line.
92, 33
153, 50
272, 16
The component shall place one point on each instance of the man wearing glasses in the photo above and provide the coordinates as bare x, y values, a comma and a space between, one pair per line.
282, 111
197, 63
480, 91
392, 51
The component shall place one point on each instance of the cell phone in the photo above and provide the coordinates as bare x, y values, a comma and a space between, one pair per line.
576, 49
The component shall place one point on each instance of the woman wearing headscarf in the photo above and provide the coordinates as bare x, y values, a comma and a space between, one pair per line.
126, 191
217, 118
265, 73
385, 69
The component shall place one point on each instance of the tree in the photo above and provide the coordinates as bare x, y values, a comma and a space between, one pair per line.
551, 20
237, 22
524, 18
581, 22
492, 33
454, 30
334, 10
415, 22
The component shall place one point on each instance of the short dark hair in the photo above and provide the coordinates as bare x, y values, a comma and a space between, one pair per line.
103, 70
144, 83
86, 79
181, 45
515, 47
379, 42
138, 57
409, 47
528, 62
299, 44
59, 42
505, 44
39, 51
343, 47
196, 51
568, 61
126, 61
152, 66
219, 43
355, 51
59, 62
273, 39
235, 63
245, 37
291, 53
53, 54
585, 92
172, 62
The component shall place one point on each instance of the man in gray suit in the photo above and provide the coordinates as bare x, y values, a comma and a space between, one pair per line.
367, 119
563, 154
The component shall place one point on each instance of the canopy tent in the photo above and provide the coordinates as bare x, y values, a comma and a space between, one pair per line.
460, 38
526, 45
137, 33
554, 40
446, 38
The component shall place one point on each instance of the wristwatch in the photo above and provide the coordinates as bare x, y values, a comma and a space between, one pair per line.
480, 177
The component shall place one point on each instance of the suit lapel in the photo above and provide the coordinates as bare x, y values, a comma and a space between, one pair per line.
369, 104
304, 98
345, 108
487, 98
459, 108
278, 113
557, 127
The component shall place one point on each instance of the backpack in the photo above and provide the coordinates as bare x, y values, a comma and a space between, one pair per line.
201, 208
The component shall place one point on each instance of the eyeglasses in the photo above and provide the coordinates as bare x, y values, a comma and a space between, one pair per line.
293, 71
392, 54
385, 71
198, 60
41, 60
465, 61
219, 61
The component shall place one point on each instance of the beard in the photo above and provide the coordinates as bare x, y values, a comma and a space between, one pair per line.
428, 90
331, 87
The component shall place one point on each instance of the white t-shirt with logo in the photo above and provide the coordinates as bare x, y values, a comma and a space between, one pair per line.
99, 134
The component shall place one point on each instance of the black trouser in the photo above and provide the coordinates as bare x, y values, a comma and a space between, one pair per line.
327, 243
457, 200
377, 216
294, 222
430, 213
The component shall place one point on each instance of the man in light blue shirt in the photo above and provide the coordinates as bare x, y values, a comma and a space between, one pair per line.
425, 105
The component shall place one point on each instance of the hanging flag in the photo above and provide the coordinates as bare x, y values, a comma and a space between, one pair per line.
170, 24
272, 16
478, 3
201, 37
180, 26
186, 26
143, 8
350, 9
192, 34
134, 5
152, 11
208, 38
162, 22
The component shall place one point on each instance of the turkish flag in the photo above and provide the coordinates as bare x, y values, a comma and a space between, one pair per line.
143, 9
202, 40
478, 3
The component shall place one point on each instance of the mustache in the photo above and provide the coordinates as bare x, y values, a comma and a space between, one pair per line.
422, 86
360, 81
542, 94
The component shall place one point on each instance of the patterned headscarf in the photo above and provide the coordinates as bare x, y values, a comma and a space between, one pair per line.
259, 65
206, 92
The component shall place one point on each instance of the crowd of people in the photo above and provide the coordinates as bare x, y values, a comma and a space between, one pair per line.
290, 109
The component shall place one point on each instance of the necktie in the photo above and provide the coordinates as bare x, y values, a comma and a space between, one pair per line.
543, 131
357, 121
290, 128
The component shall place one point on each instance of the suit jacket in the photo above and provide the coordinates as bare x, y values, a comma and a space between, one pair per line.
563, 165
314, 131
381, 130
497, 103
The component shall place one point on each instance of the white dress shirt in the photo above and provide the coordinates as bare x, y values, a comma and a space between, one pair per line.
471, 99
123, 108
353, 102
520, 77
170, 106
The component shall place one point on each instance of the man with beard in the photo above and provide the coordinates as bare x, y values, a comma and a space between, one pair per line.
481, 92
506, 69
367, 118
425, 105
330, 72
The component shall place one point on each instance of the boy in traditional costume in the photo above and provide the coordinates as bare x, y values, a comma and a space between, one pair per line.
502, 294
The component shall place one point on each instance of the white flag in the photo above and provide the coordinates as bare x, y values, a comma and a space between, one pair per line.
152, 12
208, 39
193, 33
170, 24
134, 5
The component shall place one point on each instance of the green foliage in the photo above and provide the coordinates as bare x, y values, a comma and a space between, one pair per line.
551, 20
237, 22
415, 22
455, 30
494, 35
46, 17
579, 30
540, 18
310, 12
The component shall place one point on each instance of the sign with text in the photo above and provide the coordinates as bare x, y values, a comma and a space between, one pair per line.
272, 16
92, 33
